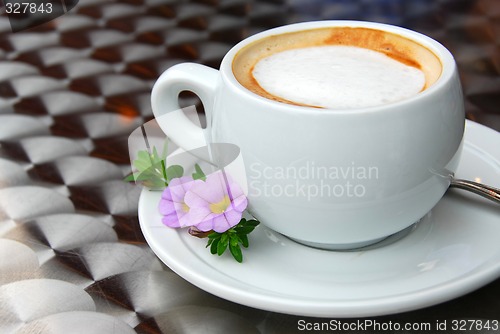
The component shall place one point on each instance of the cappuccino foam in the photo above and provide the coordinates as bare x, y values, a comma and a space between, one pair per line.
337, 77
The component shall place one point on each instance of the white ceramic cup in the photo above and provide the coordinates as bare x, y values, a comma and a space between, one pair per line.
333, 179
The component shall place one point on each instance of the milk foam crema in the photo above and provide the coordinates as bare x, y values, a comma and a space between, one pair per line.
337, 77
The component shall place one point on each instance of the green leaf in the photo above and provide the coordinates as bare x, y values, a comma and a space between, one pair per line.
209, 242
234, 240
245, 229
143, 156
173, 172
164, 171
141, 165
142, 176
251, 222
224, 237
244, 240
236, 253
154, 185
214, 235
146, 161
165, 151
149, 173
155, 157
151, 169
198, 174
214, 246
222, 246
130, 178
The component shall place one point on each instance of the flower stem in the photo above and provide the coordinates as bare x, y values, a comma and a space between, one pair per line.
164, 170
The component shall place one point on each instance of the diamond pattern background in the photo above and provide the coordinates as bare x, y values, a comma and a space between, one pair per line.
71, 92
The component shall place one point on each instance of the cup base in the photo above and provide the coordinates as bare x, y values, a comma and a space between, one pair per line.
360, 246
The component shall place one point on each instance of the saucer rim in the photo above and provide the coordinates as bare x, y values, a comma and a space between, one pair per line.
231, 288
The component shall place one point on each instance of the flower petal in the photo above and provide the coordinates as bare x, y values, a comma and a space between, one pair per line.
166, 194
240, 204
235, 190
178, 187
220, 224
213, 189
233, 217
172, 205
200, 196
166, 207
171, 220
200, 214
205, 225
186, 220
194, 200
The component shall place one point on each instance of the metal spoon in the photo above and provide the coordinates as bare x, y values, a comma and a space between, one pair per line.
488, 192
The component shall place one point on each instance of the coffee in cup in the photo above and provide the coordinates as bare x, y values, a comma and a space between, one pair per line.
364, 169
336, 67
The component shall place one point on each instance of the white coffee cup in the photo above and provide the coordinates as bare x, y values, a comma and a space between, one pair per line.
329, 178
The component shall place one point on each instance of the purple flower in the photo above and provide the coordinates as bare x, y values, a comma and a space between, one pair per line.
216, 204
172, 206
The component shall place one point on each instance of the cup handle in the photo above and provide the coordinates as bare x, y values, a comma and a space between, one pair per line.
199, 79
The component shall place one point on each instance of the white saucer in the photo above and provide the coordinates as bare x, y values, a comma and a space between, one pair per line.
452, 251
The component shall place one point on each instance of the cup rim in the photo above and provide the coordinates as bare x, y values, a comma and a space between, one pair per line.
444, 55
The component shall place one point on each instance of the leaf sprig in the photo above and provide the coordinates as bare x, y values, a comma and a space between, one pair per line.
151, 169
153, 173
232, 239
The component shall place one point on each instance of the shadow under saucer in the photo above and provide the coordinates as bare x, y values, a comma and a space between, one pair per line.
363, 246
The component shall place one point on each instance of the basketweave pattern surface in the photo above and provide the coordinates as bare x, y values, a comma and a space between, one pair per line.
72, 256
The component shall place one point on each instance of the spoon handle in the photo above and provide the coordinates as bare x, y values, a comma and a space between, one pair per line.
488, 192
